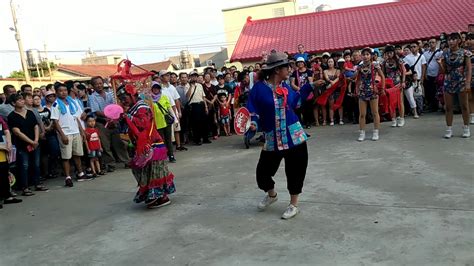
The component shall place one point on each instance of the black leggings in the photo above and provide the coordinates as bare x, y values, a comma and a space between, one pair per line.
296, 162
165, 134
4, 182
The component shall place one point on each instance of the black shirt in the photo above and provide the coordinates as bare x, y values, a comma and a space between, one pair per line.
46, 118
225, 90
26, 125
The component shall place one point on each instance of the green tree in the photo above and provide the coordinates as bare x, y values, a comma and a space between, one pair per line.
17, 74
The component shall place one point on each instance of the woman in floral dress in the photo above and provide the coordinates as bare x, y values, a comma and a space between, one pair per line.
367, 90
393, 68
457, 69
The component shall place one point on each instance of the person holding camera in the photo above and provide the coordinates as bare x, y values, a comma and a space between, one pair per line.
416, 63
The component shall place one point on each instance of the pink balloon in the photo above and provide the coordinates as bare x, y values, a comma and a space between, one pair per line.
113, 111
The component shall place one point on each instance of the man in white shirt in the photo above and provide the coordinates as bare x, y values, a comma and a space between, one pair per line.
432, 56
416, 60
65, 114
172, 94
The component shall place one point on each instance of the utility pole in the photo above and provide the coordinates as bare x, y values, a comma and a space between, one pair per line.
20, 44
47, 62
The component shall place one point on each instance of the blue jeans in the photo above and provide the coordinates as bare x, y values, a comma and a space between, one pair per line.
53, 152
24, 161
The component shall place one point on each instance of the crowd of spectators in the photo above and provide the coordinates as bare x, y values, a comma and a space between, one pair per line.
66, 122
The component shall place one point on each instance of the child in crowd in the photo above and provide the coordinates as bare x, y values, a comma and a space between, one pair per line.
94, 147
410, 93
224, 113
418, 95
349, 68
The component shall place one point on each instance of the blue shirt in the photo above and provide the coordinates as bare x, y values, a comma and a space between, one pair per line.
304, 55
98, 103
261, 105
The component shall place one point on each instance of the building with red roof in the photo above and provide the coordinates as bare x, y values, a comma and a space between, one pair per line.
375, 25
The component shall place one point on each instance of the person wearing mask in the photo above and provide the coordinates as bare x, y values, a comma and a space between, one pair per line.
198, 110
457, 69
24, 126
161, 107
271, 105
6, 108
432, 71
109, 134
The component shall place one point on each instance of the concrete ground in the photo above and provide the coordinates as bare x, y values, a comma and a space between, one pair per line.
407, 199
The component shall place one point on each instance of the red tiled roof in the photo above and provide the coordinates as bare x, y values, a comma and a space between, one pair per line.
89, 70
157, 66
374, 25
94, 70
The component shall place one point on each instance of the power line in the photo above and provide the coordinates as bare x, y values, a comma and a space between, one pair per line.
137, 49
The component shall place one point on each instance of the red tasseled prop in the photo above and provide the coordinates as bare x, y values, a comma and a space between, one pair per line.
340, 99
393, 94
323, 98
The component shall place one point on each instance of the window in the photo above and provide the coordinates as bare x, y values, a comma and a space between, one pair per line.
279, 12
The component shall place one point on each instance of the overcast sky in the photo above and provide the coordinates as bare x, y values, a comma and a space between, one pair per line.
79, 24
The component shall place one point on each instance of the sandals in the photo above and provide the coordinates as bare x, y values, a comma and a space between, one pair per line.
41, 188
181, 148
102, 172
27, 192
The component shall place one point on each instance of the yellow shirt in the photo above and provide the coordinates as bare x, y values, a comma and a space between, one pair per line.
159, 115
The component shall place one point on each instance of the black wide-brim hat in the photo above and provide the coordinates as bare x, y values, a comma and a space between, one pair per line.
275, 60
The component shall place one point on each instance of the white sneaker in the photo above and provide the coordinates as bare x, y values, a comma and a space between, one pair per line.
401, 123
375, 135
394, 122
416, 116
341, 123
332, 123
361, 135
449, 133
267, 201
472, 119
290, 212
466, 132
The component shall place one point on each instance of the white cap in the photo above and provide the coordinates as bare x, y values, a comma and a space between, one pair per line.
300, 59
327, 54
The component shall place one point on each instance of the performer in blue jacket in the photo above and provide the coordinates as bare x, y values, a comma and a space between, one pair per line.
271, 104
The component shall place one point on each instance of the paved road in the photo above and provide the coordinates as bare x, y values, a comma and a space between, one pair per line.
404, 200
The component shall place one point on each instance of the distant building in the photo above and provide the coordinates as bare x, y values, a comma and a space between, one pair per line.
93, 59
186, 60
355, 27
235, 18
